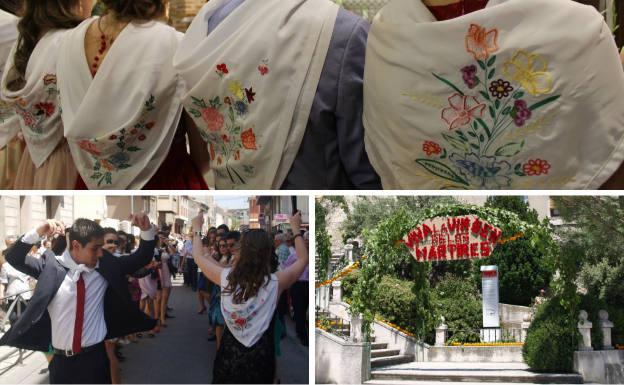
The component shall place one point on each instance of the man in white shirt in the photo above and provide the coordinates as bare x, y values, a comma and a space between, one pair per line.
81, 299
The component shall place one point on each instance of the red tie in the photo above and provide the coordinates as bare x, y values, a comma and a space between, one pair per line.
77, 343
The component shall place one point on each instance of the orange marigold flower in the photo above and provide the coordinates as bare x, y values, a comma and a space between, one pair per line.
249, 139
480, 42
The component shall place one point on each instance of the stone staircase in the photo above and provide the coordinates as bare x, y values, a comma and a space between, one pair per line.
382, 356
456, 372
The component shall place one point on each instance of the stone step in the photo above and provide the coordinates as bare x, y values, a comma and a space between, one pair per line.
379, 345
385, 352
378, 362
468, 372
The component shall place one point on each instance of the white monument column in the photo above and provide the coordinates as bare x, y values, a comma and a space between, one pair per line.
491, 318
337, 291
606, 327
584, 327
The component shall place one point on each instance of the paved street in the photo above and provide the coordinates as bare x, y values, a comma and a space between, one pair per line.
179, 354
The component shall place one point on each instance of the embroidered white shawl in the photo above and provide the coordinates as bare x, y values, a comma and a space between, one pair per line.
252, 82
524, 94
9, 123
37, 102
120, 123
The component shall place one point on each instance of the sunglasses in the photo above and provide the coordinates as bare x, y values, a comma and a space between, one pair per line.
223, 245
111, 241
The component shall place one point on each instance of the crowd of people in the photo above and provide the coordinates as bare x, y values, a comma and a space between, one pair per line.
256, 108
99, 289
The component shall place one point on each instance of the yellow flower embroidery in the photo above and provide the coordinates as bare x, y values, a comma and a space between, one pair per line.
530, 70
236, 88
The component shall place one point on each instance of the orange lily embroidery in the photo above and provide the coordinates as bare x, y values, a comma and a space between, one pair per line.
480, 42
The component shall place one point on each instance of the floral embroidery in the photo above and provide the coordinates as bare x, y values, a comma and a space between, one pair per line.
431, 148
264, 67
481, 42
124, 142
469, 74
34, 114
242, 319
473, 153
500, 88
462, 110
530, 71
225, 118
222, 69
536, 167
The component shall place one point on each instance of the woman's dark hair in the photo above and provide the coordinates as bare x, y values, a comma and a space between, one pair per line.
253, 268
11, 6
39, 17
131, 10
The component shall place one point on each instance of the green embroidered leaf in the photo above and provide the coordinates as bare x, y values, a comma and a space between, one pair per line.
443, 156
96, 175
120, 145
497, 103
461, 135
195, 113
485, 95
544, 102
198, 102
518, 171
518, 95
485, 127
476, 147
124, 166
448, 83
109, 178
481, 64
97, 166
491, 61
133, 148
472, 133
510, 149
481, 138
492, 112
491, 74
441, 170
457, 143
507, 110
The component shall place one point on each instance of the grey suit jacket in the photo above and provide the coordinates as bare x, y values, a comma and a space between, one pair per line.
332, 153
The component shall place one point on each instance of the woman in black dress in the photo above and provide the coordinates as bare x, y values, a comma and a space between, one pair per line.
249, 295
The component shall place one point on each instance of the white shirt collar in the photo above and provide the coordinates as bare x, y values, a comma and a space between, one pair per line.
75, 269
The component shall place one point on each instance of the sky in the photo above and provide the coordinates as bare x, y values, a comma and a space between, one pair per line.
232, 202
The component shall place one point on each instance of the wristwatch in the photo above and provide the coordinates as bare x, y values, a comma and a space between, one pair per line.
198, 233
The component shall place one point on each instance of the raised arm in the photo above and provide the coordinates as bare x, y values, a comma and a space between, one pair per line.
208, 266
17, 255
143, 255
290, 275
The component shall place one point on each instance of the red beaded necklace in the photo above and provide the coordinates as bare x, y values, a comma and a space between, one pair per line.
104, 44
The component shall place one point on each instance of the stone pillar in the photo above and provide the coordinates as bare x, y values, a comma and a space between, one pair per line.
337, 291
606, 327
355, 334
349, 252
524, 326
584, 327
440, 333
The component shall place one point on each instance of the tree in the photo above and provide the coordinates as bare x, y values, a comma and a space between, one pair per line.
323, 243
523, 268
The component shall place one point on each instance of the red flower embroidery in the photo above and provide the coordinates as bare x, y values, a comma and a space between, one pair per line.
264, 69
461, 111
250, 94
47, 108
431, 148
142, 137
112, 137
49, 79
29, 121
241, 322
149, 125
89, 147
249, 139
481, 42
134, 131
225, 138
213, 118
222, 69
536, 167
